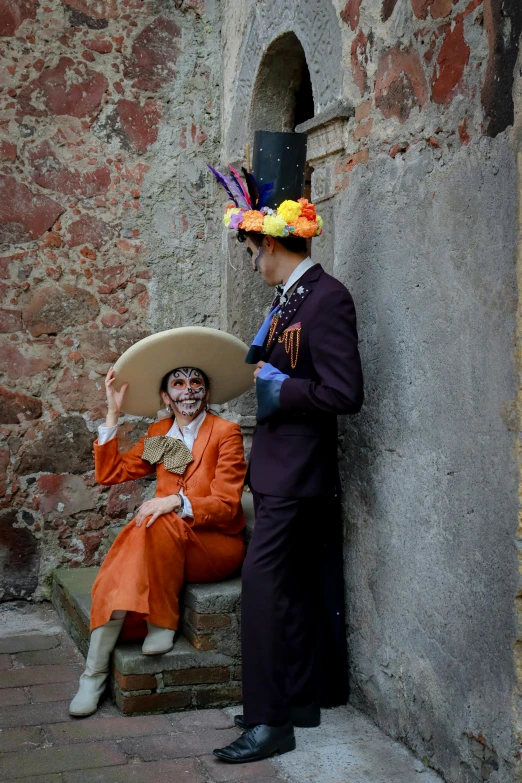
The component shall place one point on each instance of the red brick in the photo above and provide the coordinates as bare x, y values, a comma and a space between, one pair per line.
109, 728
184, 745
451, 61
359, 61
20, 739
101, 46
400, 84
14, 12
10, 320
54, 308
153, 702
464, 136
14, 403
388, 7
354, 160
61, 759
63, 494
53, 657
221, 696
112, 321
34, 714
16, 644
351, 13
56, 691
154, 54
50, 172
88, 228
436, 8
8, 151
68, 88
363, 130
200, 641
27, 362
11, 697
34, 675
362, 111
197, 676
139, 123
135, 682
78, 392
95, 9
165, 771
196, 720
202, 622
223, 773
24, 215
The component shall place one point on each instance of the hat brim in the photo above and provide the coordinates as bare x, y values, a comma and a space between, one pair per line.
220, 355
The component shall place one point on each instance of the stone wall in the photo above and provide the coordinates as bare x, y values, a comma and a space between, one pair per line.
415, 175
109, 110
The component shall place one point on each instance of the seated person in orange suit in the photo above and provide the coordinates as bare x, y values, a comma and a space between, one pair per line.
193, 529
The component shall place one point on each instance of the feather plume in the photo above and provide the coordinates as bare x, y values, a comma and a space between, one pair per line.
265, 191
252, 187
237, 179
224, 182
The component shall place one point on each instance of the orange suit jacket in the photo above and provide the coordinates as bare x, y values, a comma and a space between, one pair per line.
213, 482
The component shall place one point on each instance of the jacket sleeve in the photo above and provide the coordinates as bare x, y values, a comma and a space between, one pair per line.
220, 508
335, 354
111, 467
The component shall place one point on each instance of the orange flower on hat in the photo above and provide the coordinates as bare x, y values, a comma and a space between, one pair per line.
252, 221
305, 228
307, 209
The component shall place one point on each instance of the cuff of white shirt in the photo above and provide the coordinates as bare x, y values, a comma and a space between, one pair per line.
187, 509
105, 434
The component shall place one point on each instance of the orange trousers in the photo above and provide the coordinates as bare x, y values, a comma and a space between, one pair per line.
146, 568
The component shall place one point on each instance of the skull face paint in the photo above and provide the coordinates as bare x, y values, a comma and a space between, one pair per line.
187, 389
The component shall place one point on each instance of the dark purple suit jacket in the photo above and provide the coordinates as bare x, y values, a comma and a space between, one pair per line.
294, 452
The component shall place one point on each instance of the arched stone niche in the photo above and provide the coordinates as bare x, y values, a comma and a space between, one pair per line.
282, 96
316, 25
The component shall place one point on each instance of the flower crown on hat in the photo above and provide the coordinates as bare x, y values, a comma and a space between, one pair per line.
250, 212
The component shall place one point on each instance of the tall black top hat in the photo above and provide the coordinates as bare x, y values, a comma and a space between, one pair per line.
280, 158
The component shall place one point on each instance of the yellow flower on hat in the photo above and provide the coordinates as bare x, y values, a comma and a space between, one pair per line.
274, 225
319, 221
289, 211
228, 214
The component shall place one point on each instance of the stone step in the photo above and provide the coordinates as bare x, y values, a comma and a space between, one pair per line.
203, 669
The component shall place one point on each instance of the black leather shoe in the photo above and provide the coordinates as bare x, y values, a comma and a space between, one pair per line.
257, 743
303, 717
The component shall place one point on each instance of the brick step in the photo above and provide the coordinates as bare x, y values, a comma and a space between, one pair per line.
203, 669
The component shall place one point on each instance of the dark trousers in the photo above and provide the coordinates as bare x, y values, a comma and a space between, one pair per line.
280, 588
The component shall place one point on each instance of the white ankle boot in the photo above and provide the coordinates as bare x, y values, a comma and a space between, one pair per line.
92, 682
158, 640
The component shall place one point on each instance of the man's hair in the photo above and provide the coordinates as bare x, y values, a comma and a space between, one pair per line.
292, 244
164, 385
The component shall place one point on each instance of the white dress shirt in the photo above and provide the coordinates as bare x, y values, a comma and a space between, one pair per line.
188, 435
298, 272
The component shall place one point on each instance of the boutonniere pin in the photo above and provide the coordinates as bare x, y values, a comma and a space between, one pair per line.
300, 290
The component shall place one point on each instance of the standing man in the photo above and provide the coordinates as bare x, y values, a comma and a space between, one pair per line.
307, 372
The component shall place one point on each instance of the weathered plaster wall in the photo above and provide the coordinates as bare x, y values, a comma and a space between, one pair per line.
430, 477
109, 109
419, 194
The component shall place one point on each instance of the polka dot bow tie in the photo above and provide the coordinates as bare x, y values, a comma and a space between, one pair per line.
171, 451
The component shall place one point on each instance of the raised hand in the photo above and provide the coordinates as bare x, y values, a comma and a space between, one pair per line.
114, 398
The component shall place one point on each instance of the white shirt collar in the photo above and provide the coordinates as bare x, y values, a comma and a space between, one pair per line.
190, 432
298, 272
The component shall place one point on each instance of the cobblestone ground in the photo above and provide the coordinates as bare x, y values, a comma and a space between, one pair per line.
41, 743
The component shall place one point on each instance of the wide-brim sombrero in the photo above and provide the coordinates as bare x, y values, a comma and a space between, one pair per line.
220, 355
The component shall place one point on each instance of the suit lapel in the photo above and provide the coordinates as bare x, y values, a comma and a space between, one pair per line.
200, 444
289, 312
